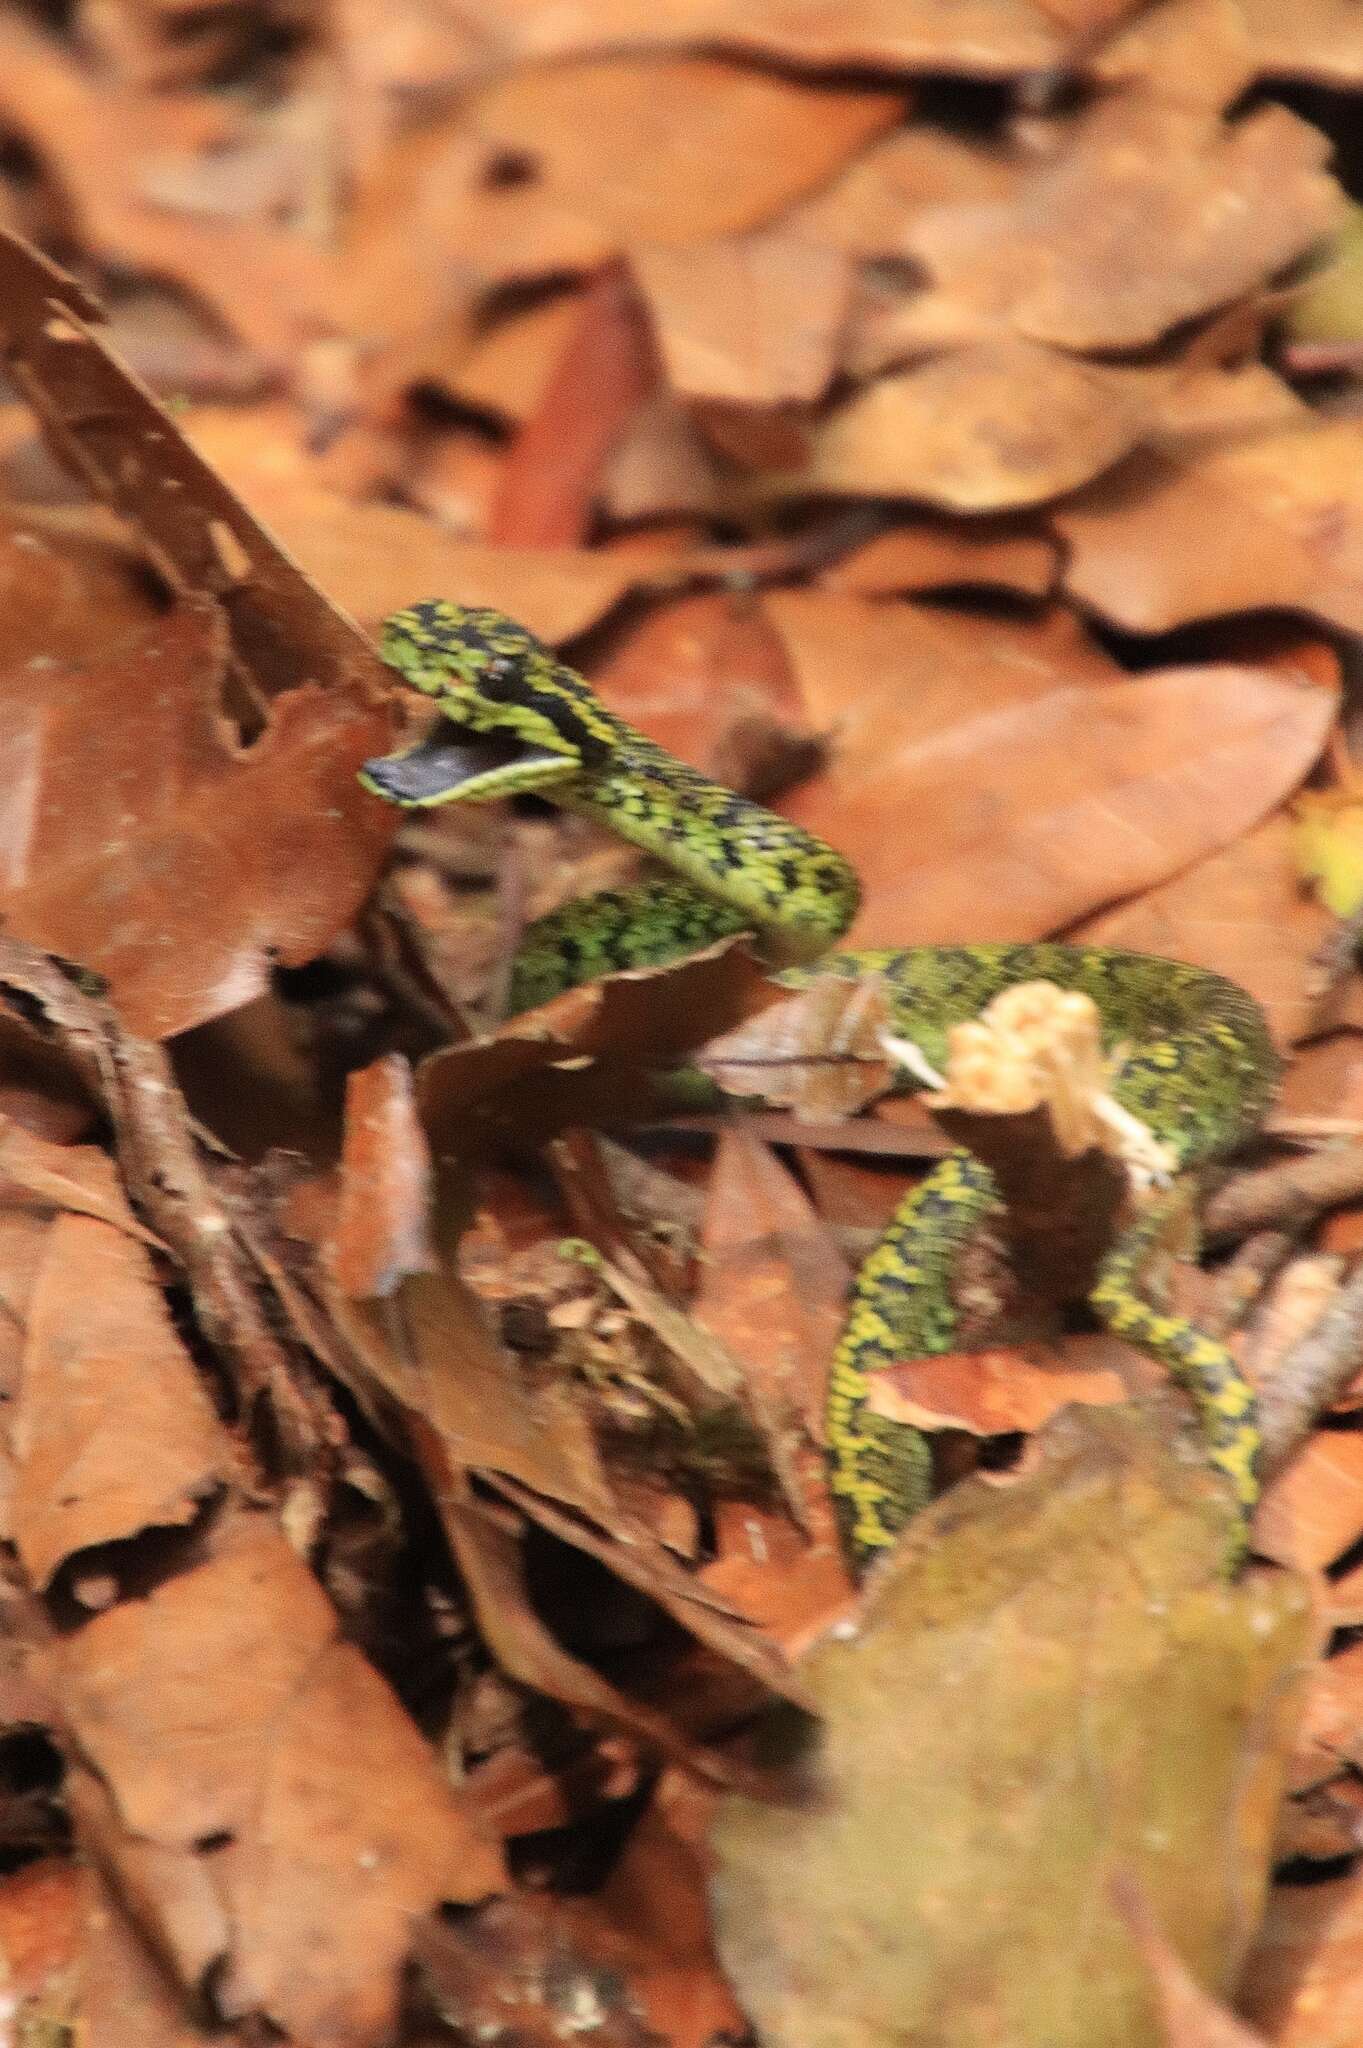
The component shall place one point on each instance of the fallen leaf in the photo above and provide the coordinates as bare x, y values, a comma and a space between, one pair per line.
1079, 1617
1242, 913
1303, 1983
1318, 40
1286, 507
1150, 214
1000, 425
1312, 1511
773, 1286
382, 1225
749, 321
989, 1393
113, 1433
185, 887
547, 486
269, 1768
945, 555
1036, 782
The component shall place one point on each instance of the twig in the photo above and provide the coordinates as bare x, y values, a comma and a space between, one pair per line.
1313, 1376
1287, 1195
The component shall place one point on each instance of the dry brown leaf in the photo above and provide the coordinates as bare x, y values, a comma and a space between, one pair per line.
556, 167
1153, 213
1318, 40
821, 1052
662, 467
1285, 505
183, 886
1195, 52
547, 487
259, 280
256, 1764
649, 1921
708, 678
982, 38
998, 781
1004, 424
507, 368
382, 1222
69, 592
377, 558
866, 210
113, 1433
754, 320
773, 1284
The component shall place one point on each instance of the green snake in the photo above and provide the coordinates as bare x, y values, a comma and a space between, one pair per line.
1196, 1066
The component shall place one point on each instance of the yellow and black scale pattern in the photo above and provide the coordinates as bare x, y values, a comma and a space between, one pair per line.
1197, 1067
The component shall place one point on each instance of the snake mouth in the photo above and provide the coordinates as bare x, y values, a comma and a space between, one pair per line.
454, 765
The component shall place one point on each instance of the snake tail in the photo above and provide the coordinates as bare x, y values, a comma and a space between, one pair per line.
1202, 1364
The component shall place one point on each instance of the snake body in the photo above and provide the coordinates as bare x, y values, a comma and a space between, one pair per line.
1197, 1065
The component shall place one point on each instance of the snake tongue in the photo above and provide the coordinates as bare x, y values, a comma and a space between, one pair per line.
451, 763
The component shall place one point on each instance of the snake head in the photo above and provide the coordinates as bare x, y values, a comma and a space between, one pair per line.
513, 719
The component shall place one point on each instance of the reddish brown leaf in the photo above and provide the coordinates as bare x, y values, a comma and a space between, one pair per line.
547, 487
382, 1226
988, 1393
1313, 1510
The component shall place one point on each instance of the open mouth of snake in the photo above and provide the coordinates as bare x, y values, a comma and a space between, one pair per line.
450, 759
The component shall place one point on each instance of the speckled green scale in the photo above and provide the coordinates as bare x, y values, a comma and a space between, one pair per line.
1195, 1061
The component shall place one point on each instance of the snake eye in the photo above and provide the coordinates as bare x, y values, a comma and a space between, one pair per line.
497, 676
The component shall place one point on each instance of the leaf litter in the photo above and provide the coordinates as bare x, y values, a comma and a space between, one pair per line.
889, 410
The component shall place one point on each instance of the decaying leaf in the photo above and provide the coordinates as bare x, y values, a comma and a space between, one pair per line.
1129, 1715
